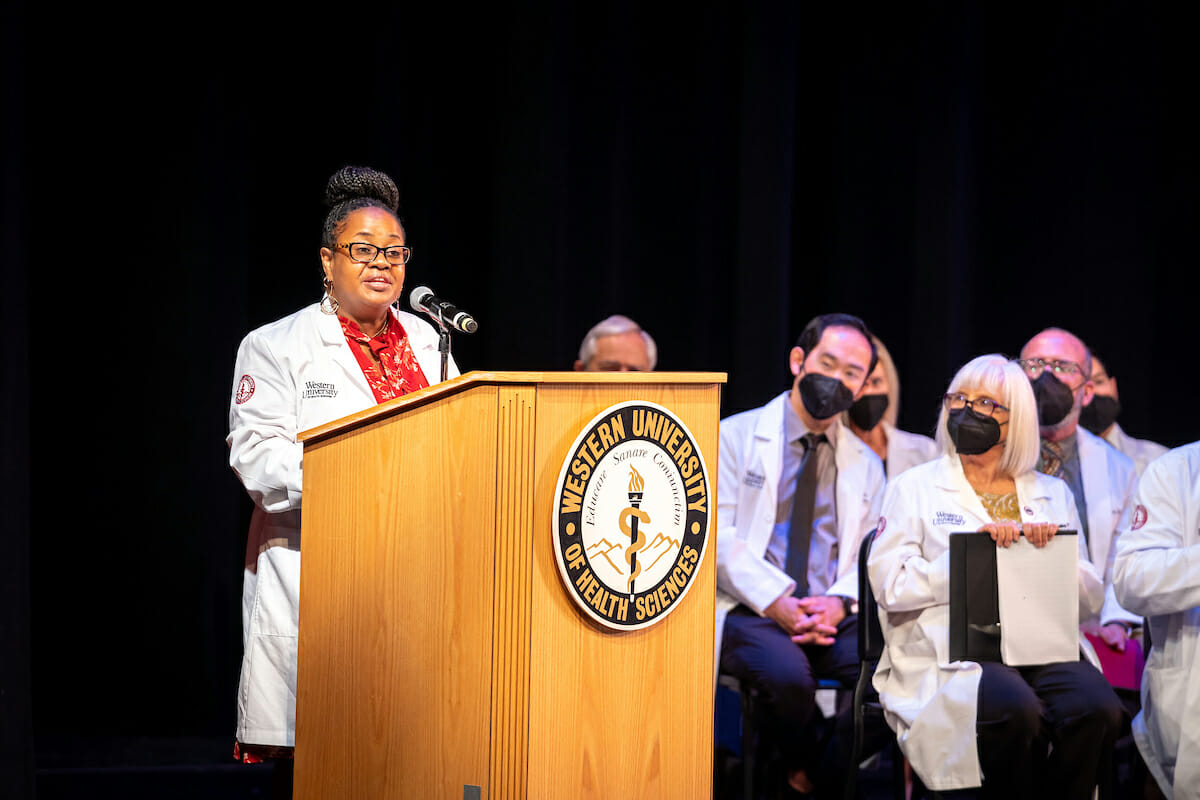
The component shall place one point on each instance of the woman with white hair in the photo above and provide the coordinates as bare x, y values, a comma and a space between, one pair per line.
873, 419
1041, 731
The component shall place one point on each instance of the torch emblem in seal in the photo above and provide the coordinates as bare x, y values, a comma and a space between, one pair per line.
637, 539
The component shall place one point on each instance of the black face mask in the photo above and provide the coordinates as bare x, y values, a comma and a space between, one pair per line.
823, 396
868, 410
972, 433
1054, 399
1100, 414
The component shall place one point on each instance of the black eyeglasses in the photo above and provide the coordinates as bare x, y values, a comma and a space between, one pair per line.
984, 406
1034, 367
364, 253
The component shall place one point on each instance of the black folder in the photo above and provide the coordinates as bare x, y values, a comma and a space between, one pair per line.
974, 597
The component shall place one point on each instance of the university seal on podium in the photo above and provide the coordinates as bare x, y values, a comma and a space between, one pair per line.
631, 515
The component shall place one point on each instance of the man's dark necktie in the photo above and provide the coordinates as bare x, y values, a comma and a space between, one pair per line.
803, 501
1050, 462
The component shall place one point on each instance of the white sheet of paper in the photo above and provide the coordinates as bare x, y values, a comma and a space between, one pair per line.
1039, 601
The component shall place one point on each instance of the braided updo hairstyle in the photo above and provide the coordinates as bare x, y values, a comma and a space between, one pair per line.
352, 188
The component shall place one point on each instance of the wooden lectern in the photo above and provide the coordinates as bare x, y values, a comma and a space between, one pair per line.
440, 654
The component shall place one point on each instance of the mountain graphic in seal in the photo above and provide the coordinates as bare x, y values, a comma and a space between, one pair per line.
605, 553
606, 550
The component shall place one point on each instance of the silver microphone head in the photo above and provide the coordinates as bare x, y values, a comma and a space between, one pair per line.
417, 298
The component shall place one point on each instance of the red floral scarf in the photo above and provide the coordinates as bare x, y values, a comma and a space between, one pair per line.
397, 372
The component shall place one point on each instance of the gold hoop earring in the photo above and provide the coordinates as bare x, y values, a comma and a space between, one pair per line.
329, 299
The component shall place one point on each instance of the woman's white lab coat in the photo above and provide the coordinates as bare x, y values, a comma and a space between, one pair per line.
929, 700
1157, 573
906, 450
291, 375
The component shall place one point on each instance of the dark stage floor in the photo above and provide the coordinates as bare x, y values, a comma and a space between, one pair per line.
192, 769
196, 769
141, 769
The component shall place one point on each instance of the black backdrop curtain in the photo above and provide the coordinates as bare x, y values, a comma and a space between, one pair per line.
16, 721
958, 176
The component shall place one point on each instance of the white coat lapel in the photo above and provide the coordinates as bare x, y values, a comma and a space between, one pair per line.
1034, 499
850, 497
768, 455
425, 348
951, 478
331, 334
1093, 470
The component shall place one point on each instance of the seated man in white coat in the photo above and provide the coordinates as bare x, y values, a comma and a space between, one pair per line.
1059, 366
1157, 574
797, 493
1100, 417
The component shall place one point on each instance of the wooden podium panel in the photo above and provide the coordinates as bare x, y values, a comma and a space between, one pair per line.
394, 702
623, 715
440, 654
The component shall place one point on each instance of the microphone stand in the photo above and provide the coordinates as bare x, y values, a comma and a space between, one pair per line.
436, 312
444, 344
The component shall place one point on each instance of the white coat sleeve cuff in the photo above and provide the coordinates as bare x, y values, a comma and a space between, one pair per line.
754, 582
1113, 612
846, 586
767, 591
745, 575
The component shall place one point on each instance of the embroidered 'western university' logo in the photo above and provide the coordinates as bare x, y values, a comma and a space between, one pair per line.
319, 389
631, 515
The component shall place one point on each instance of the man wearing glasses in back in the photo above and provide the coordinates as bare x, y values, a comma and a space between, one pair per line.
1102, 479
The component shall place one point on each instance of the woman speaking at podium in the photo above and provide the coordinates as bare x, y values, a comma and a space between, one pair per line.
1028, 732
341, 355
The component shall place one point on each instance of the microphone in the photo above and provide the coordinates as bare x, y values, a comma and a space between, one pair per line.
423, 299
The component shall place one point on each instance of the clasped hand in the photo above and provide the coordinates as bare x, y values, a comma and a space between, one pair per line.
1114, 635
808, 620
1037, 534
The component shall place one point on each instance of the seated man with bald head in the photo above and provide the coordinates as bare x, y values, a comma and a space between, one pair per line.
617, 344
1059, 365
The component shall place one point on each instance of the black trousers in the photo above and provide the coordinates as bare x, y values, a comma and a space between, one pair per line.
759, 654
1046, 731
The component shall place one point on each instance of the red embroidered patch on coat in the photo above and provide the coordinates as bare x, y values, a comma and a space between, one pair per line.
882, 524
1140, 516
245, 390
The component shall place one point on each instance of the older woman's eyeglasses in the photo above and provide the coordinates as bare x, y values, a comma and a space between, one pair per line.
984, 406
365, 253
1034, 367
